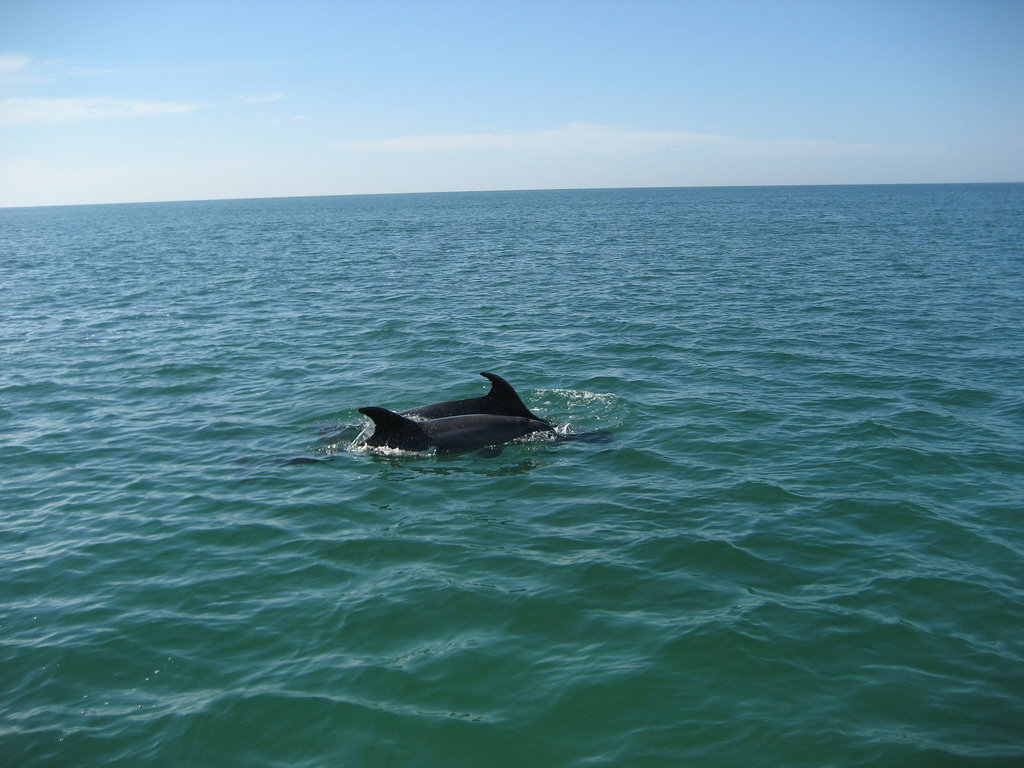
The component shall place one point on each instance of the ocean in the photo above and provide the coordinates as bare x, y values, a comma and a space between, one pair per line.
793, 535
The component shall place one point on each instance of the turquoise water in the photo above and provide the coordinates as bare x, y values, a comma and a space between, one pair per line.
800, 540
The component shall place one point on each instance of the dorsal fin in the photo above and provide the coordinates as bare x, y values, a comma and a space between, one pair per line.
394, 431
502, 392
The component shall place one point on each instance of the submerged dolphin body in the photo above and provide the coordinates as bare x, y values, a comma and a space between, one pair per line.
502, 400
448, 434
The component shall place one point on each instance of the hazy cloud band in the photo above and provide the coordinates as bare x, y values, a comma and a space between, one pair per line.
584, 139
17, 111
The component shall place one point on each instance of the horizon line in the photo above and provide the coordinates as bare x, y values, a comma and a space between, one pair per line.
513, 189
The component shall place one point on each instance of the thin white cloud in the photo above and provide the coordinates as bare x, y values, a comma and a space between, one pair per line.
12, 63
16, 68
807, 148
577, 139
573, 139
19, 111
261, 98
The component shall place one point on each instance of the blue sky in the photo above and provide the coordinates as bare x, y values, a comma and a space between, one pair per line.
137, 101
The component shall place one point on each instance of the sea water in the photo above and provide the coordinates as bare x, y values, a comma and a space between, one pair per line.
799, 539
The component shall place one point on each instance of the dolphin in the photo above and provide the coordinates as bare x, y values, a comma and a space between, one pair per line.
502, 400
448, 434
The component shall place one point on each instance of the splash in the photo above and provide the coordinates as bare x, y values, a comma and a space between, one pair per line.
576, 411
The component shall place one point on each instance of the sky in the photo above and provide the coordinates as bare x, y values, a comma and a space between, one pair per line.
108, 101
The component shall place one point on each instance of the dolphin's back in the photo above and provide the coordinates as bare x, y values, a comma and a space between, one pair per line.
448, 434
502, 400
461, 433
449, 408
